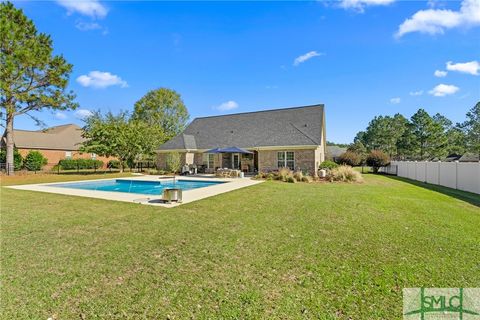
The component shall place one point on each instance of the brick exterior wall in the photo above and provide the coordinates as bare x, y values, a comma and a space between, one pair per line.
162, 160
54, 156
305, 160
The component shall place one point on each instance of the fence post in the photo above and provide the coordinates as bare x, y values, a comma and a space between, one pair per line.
456, 174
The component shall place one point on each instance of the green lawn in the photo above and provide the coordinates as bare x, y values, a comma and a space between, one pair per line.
274, 250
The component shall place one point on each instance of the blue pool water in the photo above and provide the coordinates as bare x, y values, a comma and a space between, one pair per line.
137, 186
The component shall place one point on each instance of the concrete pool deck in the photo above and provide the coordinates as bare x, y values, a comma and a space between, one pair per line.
188, 195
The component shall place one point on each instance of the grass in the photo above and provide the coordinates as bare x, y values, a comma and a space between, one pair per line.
274, 250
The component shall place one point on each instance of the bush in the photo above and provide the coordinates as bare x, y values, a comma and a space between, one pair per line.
270, 176
377, 159
350, 158
345, 174
173, 161
298, 175
113, 164
74, 164
328, 165
17, 158
307, 179
34, 161
290, 179
283, 173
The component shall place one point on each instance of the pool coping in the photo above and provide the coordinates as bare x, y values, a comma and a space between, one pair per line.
188, 195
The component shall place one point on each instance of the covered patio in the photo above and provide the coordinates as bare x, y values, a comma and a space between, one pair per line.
233, 158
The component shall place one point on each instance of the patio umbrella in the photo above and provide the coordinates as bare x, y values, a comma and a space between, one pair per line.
228, 150
214, 150
234, 150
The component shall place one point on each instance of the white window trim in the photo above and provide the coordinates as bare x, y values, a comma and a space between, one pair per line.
285, 161
206, 160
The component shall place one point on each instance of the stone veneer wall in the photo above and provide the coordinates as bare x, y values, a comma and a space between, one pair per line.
305, 160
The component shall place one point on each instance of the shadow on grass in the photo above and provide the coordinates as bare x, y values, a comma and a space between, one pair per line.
469, 197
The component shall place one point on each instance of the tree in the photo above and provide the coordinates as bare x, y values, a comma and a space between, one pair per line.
17, 158
357, 147
350, 158
163, 108
31, 77
34, 161
383, 133
430, 139
173, 162
377, 159
456, 140
119, 136
472, 129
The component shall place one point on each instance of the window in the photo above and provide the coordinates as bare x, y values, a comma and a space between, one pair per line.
208, 160
286, 159
68, 154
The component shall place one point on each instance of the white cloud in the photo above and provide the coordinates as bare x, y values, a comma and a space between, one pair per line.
435, 21
60, 115
440, 73
83, 113
443, 90
472, 67
91, 8
99, 79
229, 105
395, 100
307, 56
359, 5
87, 26
416, 93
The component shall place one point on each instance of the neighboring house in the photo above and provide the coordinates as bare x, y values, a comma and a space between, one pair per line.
334, 152
291, 137
55, 143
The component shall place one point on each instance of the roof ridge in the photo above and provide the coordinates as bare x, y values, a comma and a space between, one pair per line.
259, 111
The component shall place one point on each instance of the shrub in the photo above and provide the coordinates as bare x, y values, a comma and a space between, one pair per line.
345, 174
291, 179
350, 158
74, 164
377, 159
298, 175
34, 161
307, 179
113, 164
283, 173
328, 165
17, 158
270, 176
174, 162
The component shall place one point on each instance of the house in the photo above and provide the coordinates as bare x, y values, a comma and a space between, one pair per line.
290, 137
334, 152
55, 143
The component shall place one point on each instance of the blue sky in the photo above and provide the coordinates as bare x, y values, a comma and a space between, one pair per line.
360, 58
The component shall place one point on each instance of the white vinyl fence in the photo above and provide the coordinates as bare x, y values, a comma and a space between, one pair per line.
457, 175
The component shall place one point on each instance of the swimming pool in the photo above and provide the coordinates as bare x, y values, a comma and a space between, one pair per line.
137, 186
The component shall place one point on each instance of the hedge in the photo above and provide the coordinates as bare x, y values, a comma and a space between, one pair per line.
74, 164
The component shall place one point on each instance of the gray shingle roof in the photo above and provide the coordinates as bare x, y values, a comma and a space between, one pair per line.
279, 127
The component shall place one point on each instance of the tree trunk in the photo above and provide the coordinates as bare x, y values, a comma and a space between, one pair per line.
10, 170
